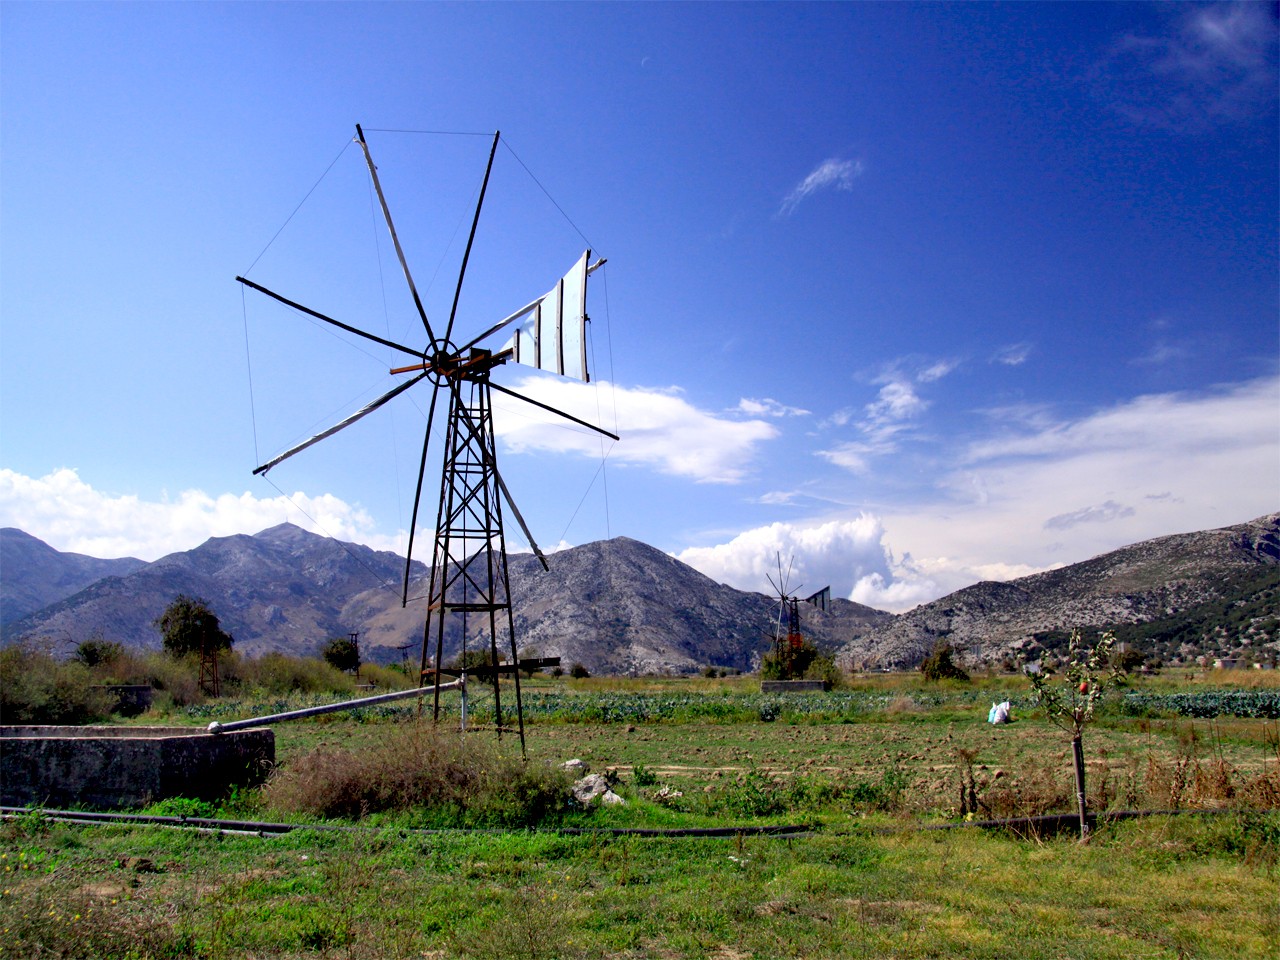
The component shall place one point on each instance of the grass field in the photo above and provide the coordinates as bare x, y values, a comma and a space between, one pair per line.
867, 772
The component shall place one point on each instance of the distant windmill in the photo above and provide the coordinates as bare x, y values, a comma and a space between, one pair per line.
787, 645
469, 561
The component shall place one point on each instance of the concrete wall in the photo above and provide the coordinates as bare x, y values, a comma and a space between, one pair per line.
115, 767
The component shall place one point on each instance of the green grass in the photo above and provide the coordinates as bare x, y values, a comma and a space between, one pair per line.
1159, 888
868, 883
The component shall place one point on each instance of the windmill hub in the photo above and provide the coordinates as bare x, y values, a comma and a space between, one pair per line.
442, 360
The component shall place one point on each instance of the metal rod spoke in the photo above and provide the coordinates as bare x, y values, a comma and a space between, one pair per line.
395, 239
341, 425
337, 323
475, 222
551, 409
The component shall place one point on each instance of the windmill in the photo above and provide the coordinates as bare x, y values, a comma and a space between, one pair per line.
469, 575
787, 646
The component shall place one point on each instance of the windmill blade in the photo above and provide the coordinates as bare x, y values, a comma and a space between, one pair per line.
417, 498
448, 331
465, 418
551, 409
342, 424
523, 311
337, 323
391, 227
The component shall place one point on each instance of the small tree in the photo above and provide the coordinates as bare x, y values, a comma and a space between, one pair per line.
786, 662
579, 672
342, 653
98, 651
472, 660
1070, 701
189, 626
941, 664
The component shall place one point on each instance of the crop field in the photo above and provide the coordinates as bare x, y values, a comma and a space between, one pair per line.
889, 777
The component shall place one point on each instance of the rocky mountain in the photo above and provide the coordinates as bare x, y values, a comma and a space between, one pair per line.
282, 589
616, 606
1143, 583
34, 575
620, 606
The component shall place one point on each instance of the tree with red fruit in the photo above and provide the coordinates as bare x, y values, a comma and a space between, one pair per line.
1070, 700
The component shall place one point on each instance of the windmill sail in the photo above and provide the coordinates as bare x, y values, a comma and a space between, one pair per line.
821, 599
553, 335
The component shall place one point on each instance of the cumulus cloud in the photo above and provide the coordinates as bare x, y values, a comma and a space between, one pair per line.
1213, 64
829, 175
70, 515
659, 429
835, 553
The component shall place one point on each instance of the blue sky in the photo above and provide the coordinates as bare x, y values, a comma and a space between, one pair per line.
917, 294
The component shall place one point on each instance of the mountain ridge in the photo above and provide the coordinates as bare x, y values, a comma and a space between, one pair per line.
621, 606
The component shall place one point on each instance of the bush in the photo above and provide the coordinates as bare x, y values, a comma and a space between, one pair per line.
578, 672
342, 653
97, 651
941, 665
276, 673
444, 778
36, 689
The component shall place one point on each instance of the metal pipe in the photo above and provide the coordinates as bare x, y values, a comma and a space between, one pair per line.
216, 727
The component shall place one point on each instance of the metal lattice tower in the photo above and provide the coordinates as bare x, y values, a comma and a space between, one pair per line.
469, 573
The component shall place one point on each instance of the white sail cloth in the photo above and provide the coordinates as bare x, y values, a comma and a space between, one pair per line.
554, 335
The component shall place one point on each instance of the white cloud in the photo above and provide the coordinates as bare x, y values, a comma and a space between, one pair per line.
70, 515
1144, 468
1215, 64
1163, 352
1013, 355
829, 175
886, 419
768, 407
897, 401
1047, 490
836, 553
851, 455
658, 427
936, 370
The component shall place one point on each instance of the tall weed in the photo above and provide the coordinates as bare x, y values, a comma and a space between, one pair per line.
441, 777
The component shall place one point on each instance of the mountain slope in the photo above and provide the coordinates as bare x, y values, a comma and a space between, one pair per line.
616, 606
282, 589
34, 575
1143, 582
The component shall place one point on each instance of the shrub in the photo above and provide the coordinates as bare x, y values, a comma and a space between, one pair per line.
444, 778
342, 653
36, 689
578, 672
98, 651
279, 674
941, 665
